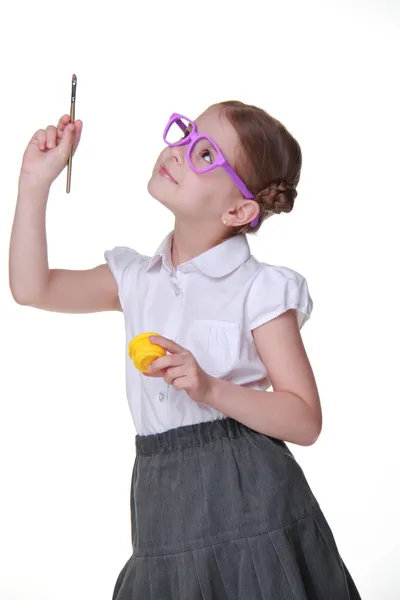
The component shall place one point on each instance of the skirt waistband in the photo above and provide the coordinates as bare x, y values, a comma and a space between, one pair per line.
189, 436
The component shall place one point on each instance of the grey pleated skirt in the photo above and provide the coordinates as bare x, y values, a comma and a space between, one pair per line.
222, 512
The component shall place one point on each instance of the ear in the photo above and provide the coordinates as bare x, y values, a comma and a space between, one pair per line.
244, 212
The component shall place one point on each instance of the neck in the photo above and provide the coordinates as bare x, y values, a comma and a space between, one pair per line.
187, 243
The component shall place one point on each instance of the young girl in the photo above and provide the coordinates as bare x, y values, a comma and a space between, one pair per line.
220, 508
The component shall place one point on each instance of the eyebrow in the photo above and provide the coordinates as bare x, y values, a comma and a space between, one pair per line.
188, 130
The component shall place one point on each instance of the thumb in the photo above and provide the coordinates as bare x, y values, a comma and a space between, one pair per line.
67, 140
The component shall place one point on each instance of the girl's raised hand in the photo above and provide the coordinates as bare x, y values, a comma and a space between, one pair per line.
48, 151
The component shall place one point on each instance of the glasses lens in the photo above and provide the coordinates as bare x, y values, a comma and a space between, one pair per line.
203, 155
179, 129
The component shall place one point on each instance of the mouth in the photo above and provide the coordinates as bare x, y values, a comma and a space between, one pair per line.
165, 173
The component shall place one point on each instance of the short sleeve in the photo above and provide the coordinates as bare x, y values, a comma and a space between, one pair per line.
274, 291
123, 263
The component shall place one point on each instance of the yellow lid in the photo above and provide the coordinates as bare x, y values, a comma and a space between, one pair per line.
142, 352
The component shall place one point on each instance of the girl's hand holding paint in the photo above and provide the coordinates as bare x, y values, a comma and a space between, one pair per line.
181, 369
48, 151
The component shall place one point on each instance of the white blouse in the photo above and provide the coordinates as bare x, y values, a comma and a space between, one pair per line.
209, 305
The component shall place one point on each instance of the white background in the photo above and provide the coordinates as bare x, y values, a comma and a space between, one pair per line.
328, 71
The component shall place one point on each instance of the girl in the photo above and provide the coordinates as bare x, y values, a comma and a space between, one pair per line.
220, 508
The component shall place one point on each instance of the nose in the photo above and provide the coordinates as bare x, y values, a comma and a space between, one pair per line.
178, 154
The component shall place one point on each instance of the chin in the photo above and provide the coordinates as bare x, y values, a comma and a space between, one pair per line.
158, 194
150, 187
153, 189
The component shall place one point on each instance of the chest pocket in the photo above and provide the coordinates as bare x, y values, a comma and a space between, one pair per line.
214, 344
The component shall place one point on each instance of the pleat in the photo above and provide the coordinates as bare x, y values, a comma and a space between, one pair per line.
289, 566
119, 581
297, 562
150, 580
311, 561
326, 532
236, 567
182, 577
277, 573
124, 584
207, 582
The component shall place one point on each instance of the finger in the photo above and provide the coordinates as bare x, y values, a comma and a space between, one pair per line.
174, 373
77, 135
62, 124
165, 362
51, 135
159, 373
166, 343
40, 138
66, 143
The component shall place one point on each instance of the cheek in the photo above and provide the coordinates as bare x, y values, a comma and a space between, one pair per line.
197, 190
190, 182
215, 187
204, 193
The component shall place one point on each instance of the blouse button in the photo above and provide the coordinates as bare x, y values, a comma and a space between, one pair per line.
160, 396
177, 291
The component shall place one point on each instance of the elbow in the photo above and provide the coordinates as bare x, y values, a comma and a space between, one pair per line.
19, 298
16, 294
313, 432
310, 439
16, 297
25, 296
312, 426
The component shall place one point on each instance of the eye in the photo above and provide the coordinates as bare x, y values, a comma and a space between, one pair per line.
206, 154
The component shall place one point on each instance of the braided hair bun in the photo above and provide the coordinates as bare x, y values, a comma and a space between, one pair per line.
277, 197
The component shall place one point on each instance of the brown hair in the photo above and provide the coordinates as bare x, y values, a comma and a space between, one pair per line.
271, 159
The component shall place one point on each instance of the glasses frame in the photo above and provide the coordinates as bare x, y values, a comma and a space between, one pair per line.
221, 161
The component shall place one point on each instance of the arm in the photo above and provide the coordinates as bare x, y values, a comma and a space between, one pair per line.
292, 412
32, 283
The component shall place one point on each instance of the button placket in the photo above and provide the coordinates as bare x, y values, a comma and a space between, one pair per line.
177, 288
175, 319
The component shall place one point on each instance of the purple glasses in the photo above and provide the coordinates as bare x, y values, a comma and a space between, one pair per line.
202, 149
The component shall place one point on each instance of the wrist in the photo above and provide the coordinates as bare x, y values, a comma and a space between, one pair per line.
211, 397
28, 182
